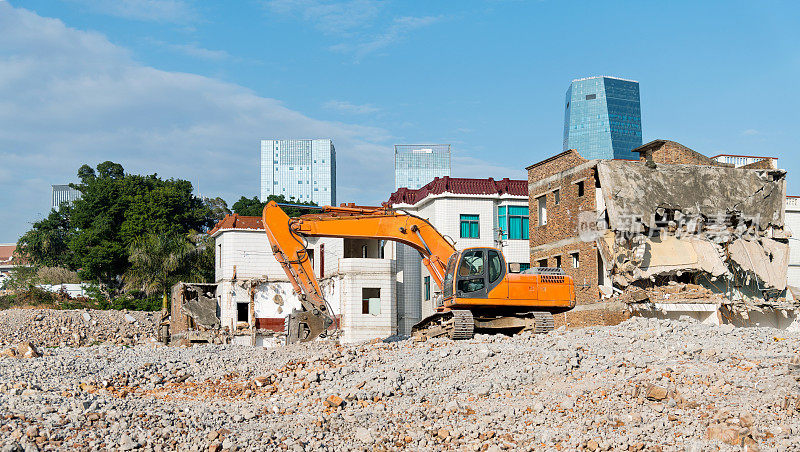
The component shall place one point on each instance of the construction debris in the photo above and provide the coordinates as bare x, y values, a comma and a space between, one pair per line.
645, 384
654, 227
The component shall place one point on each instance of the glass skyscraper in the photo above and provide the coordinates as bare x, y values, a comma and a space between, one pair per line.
602, 118
301, 169
417, 164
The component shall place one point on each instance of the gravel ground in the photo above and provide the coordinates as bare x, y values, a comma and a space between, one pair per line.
59, 328
641, 385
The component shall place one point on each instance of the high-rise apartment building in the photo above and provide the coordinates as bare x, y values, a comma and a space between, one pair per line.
301, 169
602, 118
417, 164
64, 193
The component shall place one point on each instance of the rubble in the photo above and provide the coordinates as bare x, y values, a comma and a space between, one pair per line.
645, 384
60, 328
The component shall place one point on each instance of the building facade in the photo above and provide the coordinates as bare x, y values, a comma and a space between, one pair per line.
471, 212
417, 164
301, 169
64, 193
793, 222
602, 118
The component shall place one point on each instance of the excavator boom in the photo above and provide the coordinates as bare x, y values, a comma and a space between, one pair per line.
287, 240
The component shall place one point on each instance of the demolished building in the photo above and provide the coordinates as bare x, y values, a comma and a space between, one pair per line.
674, 233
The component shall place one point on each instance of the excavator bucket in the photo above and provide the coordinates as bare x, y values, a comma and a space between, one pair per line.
304, 326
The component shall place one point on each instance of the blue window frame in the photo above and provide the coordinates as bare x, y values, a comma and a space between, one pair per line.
470, 228
513, 221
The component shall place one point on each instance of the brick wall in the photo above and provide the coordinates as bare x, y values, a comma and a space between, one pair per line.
554, 243
670, 152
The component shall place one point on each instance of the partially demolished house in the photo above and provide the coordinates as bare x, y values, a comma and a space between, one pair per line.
674, 233
254, 295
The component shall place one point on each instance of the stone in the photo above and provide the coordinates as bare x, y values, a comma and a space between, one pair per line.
334, 401
129, 318
86, 317
364, 435
655, 392
28, 350
443, 433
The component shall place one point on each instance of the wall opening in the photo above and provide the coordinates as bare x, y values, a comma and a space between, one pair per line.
370, 300
242, 312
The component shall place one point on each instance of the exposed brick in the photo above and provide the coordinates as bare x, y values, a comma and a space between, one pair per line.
670, 152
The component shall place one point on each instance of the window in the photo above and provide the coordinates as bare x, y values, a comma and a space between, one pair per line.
542, 202
558, 261
427, 281
495, 266
517, 222
580, 188
576, 260
219, 255
471, 272
371, 300
591, 96
524, 266
541, 263
242, 312
470, 228
501, 223
300, 182
556, 196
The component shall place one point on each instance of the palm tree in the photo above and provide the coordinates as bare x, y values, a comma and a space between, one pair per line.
156, 259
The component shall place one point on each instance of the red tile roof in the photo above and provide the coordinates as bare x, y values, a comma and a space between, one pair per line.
7, 253
460, 185
235, 221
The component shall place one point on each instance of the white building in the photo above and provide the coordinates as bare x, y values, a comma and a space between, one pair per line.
63, 193
742, 160
792, 219
254, 293
471, 212
301, 169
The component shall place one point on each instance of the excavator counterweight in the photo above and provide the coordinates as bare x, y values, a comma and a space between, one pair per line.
478, 291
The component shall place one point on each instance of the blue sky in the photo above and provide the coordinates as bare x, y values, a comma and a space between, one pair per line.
186, 89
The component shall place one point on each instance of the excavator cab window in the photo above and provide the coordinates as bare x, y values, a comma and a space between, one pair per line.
447, 284
472, 272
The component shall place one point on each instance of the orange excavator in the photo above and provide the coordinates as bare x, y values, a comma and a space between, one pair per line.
478, 291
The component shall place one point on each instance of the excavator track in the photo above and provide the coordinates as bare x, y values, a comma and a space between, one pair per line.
543, 322
456, 324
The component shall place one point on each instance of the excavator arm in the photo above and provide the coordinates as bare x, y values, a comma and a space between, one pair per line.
287, 240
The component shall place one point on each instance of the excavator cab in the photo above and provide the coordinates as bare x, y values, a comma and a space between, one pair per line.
473, 273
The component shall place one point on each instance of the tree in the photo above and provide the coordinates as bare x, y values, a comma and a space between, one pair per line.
217, 207
156, 260
254, 207
47, 243
115, 209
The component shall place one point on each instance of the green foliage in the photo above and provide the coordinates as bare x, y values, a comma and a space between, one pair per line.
117, 208
47, 243
254, 207
217, 207
156, 263
57, 275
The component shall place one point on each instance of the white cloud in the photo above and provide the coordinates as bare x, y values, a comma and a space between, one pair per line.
751, 132
194, 50
177, 11
332, 17
69, 97
347, 107
397, 31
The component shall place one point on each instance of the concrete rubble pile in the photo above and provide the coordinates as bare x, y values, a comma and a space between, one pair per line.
645, 384
716, 227
60, 328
